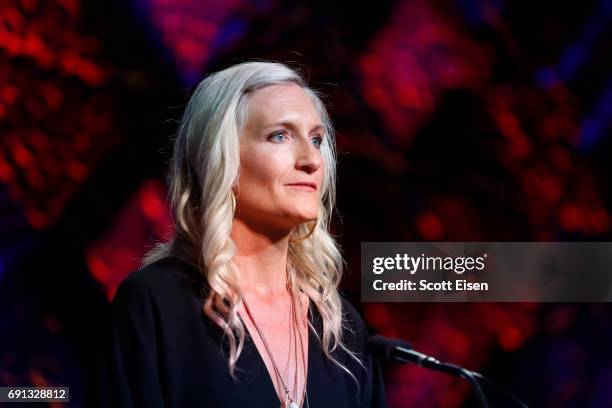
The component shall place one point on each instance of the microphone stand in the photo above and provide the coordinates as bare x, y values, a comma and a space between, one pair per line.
402, 352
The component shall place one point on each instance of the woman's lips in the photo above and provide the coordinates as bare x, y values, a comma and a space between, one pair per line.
304, 186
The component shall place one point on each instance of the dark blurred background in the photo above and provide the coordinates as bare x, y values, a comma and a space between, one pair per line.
457, 120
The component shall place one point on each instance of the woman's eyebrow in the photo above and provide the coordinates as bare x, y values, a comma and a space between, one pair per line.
291, 125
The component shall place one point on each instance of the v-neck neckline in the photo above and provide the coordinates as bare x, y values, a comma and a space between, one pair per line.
313, 319
261, 363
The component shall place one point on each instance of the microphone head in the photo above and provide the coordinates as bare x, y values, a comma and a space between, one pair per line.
383, 347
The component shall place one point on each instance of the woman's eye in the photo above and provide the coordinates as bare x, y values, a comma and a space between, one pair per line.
317, 141
277, 137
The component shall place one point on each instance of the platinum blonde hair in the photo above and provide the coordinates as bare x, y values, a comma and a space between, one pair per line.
203, 169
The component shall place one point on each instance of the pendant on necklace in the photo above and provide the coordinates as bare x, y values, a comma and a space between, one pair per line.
293, 404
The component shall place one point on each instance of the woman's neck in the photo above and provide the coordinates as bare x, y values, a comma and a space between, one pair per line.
262, 261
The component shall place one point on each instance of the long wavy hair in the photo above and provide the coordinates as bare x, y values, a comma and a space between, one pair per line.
203, 169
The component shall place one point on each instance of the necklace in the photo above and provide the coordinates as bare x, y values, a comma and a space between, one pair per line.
290, 403
303, 356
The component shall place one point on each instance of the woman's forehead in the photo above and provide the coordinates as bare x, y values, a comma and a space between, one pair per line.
282, 103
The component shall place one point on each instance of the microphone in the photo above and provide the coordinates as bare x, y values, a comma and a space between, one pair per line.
402, 352
399, 351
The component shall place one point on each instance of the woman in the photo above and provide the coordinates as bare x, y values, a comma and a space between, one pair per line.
241, 308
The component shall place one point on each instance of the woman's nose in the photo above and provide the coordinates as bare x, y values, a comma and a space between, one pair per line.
308, 157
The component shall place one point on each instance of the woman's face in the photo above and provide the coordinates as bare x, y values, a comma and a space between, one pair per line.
281, 166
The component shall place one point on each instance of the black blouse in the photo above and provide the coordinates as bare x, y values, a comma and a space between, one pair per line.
162, 351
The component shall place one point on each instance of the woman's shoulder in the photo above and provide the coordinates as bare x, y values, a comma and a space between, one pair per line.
162, 279
357, 332
351, 312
